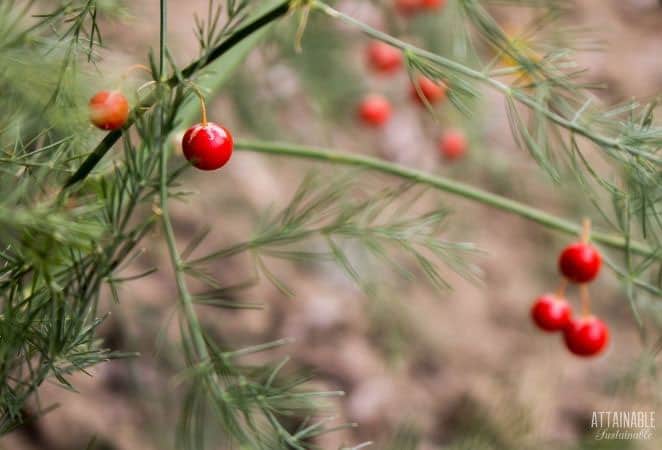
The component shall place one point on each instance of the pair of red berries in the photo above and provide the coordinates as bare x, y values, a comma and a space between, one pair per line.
584, 336
207, 146
410, 7
384, 59
375, 109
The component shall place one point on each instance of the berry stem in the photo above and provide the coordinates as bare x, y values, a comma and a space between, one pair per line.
301, 29
133, 68
586, 230
447, 185
560, 291
585, 298
203, 107
130, 69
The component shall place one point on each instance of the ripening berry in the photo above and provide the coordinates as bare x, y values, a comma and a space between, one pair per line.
432, 4
408, 8
207, 146
580, 262
109, 110
452, 144
383, 58
586, 336
375, 110
551, 313
433, 91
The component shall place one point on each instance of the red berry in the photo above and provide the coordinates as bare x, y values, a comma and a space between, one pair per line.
109, 110
551, 313
383, 58
586, 336
580, 262
375, 110
432, 4
408, 8
433, 91
207, 146
453, 144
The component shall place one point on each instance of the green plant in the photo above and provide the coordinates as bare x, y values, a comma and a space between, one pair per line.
73, 218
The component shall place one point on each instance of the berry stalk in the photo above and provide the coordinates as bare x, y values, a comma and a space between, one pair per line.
203, 106
586, 230
585, 299
563, 285
446, 185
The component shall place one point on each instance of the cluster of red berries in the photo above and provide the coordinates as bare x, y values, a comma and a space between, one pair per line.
375, 109
587, 335
383, 59
207, 146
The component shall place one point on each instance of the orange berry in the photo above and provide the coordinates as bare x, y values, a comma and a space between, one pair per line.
433, 91
109, 110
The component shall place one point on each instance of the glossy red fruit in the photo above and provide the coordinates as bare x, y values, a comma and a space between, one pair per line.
375, 110
551, 313
433, 91
207, 146
432, 4
383, 58
109, 110
586, 336
408, 8
453, 144
580, 262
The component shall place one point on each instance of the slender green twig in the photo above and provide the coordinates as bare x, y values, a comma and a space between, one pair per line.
446, 185
185, 297
163, 29
175, 259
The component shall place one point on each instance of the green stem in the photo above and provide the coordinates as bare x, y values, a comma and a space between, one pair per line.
506, 90
185, 297
238, 36
446, 185
163, 29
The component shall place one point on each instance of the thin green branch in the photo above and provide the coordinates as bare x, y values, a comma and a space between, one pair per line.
184, 294
186, 299
446, 185
163, 29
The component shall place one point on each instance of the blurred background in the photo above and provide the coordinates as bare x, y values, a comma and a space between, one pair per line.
462, 368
